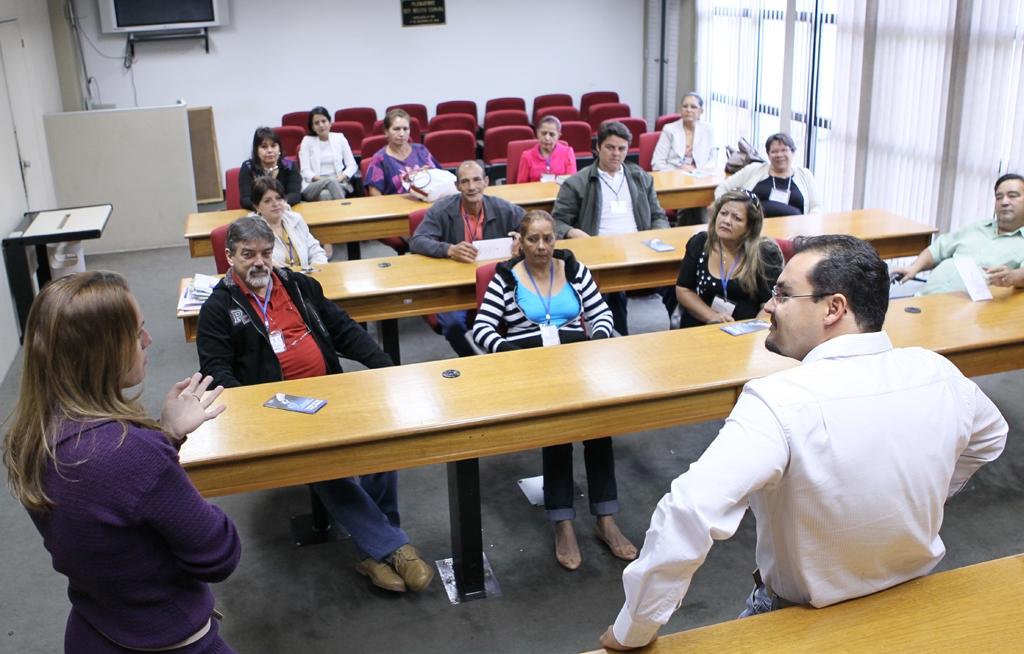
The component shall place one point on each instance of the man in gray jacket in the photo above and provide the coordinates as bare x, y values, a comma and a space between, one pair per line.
609, 196
450, 228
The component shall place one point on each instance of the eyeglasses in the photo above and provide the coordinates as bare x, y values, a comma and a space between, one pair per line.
780, 297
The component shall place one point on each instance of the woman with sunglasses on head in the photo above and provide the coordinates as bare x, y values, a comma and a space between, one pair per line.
102, 482
783, 188
728, 271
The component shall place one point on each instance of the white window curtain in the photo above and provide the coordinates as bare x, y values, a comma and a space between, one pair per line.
727, 65
916, 108
992, 124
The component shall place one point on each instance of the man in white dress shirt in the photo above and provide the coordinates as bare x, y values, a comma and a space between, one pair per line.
846, 460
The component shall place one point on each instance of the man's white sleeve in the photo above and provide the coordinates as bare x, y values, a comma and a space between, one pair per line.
988, 438
704, 504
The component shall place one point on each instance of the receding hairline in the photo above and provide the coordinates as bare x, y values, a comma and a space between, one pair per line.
466, 164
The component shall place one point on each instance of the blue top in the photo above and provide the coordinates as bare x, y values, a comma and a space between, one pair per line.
565, 305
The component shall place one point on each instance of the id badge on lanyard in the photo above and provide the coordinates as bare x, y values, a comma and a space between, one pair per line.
277, 341
780, 195
721, 305
549, 335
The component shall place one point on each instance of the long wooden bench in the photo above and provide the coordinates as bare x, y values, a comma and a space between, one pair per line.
973, 608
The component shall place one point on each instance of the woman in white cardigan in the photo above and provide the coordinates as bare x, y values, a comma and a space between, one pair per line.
784, 189
294, 244
325, 160
687, 144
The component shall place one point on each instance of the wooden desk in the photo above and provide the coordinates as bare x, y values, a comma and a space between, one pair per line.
412, 285
412, 415
974, 608
368, 218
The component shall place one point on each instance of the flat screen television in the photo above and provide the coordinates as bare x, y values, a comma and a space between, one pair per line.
119, 16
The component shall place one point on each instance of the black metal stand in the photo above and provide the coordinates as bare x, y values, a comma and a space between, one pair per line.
202, 34
353, 250
389, 339
316, 527
468, 563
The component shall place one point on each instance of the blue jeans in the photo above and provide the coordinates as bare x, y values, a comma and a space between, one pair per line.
454, 325
367, 507
761, 600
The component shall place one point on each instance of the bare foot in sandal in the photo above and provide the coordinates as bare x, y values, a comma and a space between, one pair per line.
567, 550
608, 533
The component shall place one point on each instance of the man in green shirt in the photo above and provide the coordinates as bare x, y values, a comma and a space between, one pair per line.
997, 245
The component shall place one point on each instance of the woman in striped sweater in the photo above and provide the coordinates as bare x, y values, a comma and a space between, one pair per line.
542, 298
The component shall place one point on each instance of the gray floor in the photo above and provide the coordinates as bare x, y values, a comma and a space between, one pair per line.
283, 599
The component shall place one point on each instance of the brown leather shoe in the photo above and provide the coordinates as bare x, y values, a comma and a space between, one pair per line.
381, 575
414, 570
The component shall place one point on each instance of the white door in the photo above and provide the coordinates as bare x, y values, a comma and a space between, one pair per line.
20, 147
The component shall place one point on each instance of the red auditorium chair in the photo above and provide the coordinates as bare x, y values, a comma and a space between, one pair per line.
503, 117
561, 113
453, 121
353, 132
587, 100
451, 146
456, 107
231, 198
496, 140
366, 116
607, 111
665, 120
296, 119
551, 100
370, 145
577, 134
290, 138
648, 142
218, 241
515, 153
498, 104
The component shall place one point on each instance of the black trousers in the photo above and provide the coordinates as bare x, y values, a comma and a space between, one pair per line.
599, 458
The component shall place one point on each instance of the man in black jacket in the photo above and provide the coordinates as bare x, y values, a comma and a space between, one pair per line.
264, 324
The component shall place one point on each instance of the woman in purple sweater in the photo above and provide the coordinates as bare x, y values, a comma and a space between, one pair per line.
102, 482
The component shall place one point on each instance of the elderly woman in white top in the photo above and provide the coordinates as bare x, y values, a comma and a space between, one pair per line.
687, 144
784, 189
294, 245
325, 160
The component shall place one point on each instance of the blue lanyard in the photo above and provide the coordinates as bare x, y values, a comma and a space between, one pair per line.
721, 271
551, 283
264, 303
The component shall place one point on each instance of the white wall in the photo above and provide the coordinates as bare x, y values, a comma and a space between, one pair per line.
277, 57
43, 96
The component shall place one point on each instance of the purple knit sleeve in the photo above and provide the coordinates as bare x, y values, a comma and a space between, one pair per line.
201, 537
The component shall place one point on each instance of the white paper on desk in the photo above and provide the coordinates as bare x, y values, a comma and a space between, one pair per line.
493, 248
973, 278
197, 292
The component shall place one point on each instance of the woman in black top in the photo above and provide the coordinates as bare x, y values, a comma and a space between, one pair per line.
728, 272
267, 159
